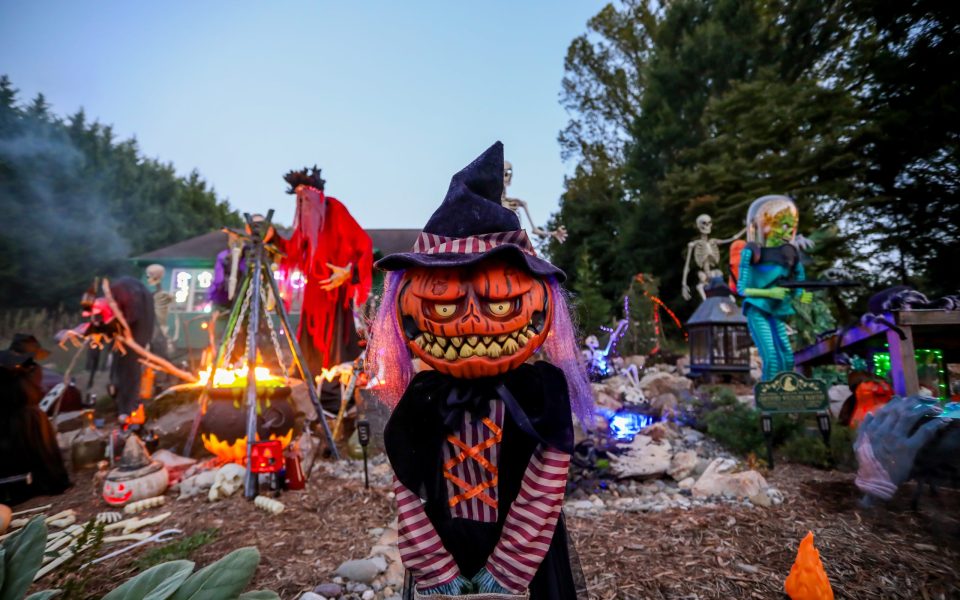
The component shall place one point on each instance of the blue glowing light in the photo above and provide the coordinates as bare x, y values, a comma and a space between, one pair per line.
624, 425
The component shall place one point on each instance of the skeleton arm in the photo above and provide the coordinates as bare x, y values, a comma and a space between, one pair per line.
560, 233
686, 272
736, 237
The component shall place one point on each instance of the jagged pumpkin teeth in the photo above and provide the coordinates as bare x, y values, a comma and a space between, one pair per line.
451, 353
510, 346
480, 350
494, 350
487, 339
442, 341
522, 340
427, 336
472, 340
419, 341
502, 338
436, 351
456, 341
466, 351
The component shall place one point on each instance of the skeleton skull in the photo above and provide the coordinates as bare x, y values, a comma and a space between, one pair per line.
155, 274
228, 480
507, 173
704, 224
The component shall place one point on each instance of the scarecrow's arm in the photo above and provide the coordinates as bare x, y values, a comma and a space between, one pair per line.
531, 520
421, 550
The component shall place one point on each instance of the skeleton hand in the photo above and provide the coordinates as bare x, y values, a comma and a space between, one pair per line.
885, 447
338, 277
560, 234
685, 292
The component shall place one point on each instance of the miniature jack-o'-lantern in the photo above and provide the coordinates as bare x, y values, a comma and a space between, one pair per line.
475, 322
137, 476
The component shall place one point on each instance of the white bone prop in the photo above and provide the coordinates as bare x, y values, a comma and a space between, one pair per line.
135, 507
31, 510
268, 504
135, 523
64, 522
109, 517
61, 515
127, 537
54, 564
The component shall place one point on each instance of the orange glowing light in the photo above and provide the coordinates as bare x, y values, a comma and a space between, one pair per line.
807, 579
137, 417
238, 377
236, 452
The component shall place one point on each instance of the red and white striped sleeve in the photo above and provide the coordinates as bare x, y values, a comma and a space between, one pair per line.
421, 549
531, 520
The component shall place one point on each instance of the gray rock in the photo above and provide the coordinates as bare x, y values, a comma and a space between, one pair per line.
368, 595
381, 563
363, 570
311, 596
330, 590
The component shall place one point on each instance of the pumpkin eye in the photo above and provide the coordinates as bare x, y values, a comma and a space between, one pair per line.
501, 308
445, 311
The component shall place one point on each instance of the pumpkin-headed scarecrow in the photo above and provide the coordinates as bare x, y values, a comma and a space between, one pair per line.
480, 443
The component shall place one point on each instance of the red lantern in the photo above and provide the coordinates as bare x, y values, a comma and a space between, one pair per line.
266, 457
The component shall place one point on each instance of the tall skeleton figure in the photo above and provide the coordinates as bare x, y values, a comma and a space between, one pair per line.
515, 204
706, 254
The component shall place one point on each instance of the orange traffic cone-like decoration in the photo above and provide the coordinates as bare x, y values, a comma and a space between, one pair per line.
807, 579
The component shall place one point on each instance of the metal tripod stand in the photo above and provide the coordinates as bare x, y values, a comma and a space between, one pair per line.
258, 274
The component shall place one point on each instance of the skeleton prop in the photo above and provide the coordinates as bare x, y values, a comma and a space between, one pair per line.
515, 204
705, 251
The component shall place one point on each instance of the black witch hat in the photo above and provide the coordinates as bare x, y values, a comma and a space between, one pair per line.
471, 225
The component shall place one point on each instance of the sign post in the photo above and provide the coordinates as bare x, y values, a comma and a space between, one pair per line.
787, 393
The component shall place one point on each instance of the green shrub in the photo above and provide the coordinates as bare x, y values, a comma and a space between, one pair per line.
841, 447
805, 449
737, 426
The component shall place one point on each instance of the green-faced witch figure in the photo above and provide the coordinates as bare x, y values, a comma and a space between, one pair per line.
768, 258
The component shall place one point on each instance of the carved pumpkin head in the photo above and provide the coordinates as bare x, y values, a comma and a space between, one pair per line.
474, 321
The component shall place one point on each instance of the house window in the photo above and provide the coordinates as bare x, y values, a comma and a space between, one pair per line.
190, 288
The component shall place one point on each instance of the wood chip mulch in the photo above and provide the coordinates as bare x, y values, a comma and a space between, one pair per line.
724, 552
732, 552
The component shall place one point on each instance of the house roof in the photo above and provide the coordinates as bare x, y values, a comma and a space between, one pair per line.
208, 245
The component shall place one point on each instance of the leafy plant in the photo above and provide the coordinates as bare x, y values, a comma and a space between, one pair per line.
841, 447
73, 580
807, 450
181, 549
737, 426
22, 555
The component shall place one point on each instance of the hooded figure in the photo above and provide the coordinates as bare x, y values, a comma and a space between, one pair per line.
335, 255
28, 442
481, 443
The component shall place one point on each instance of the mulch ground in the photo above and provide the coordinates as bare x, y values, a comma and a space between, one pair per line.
727, 552
734, 552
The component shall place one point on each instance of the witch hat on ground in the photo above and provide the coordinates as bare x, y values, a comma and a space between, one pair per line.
471, 225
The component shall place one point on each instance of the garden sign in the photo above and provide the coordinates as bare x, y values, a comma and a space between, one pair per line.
791, 392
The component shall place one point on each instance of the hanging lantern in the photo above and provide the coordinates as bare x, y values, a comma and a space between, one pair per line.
719, 340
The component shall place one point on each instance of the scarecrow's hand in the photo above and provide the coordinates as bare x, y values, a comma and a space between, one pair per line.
338, 277
486, 584
453, 588
806, 297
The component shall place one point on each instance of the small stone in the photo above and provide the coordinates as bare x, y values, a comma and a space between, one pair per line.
368, 595
362, 571
338, 579
583, 504
761, 499
380, 562
311, 596
387, 591
330, 590
376, 531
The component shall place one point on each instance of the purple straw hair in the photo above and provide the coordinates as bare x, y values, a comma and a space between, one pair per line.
563, 352
388, 351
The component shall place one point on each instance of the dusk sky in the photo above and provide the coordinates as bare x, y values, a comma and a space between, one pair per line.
388, 98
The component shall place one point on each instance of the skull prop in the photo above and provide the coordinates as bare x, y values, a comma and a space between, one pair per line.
704, 224
155, 275
475, 322
507, 174
228, 480
137, 477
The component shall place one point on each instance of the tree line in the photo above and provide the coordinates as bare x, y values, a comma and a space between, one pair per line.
76, 203
700, 106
